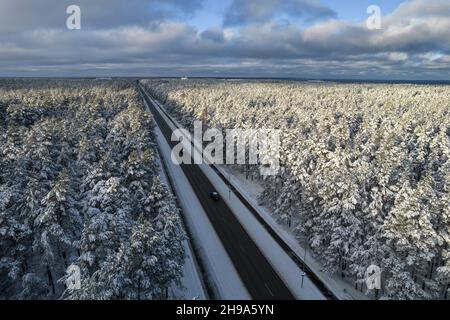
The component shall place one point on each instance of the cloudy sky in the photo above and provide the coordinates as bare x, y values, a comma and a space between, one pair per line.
250, 38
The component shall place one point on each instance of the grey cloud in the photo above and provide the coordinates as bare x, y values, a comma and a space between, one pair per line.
415, 27
243, 12
19, 15
215, 35
414, 42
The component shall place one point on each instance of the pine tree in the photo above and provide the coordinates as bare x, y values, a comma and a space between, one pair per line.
106, 222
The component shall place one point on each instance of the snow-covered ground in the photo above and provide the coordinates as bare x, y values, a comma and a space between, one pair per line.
221, 274
191, 284
279, 259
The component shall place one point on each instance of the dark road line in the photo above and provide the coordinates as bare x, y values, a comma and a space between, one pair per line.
257, 274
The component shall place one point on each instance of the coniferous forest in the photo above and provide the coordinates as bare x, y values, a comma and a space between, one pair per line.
364, 179
79, 185
365, 170
218, 158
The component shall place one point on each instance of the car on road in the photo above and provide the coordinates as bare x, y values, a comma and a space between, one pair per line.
214, 196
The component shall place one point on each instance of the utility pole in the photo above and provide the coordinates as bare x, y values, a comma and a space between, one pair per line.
304, 263
229, 185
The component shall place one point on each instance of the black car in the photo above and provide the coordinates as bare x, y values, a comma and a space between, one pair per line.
215, 196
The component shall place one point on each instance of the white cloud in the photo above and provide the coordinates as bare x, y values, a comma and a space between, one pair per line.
398, 56
244, 12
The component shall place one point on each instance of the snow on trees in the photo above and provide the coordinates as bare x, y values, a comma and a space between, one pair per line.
365, 169
78, 186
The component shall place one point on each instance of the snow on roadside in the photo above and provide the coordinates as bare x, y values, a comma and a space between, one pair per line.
221, 272
277, 257
250, 190
286, 268
191, 282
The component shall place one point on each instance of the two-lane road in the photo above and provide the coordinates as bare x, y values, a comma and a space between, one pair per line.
257, 274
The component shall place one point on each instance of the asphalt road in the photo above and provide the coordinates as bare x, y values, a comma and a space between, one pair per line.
257, 274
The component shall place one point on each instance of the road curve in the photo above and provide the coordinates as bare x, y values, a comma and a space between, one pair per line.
258, 276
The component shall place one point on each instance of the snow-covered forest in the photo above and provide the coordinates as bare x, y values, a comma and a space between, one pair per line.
79, 186
365, 175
